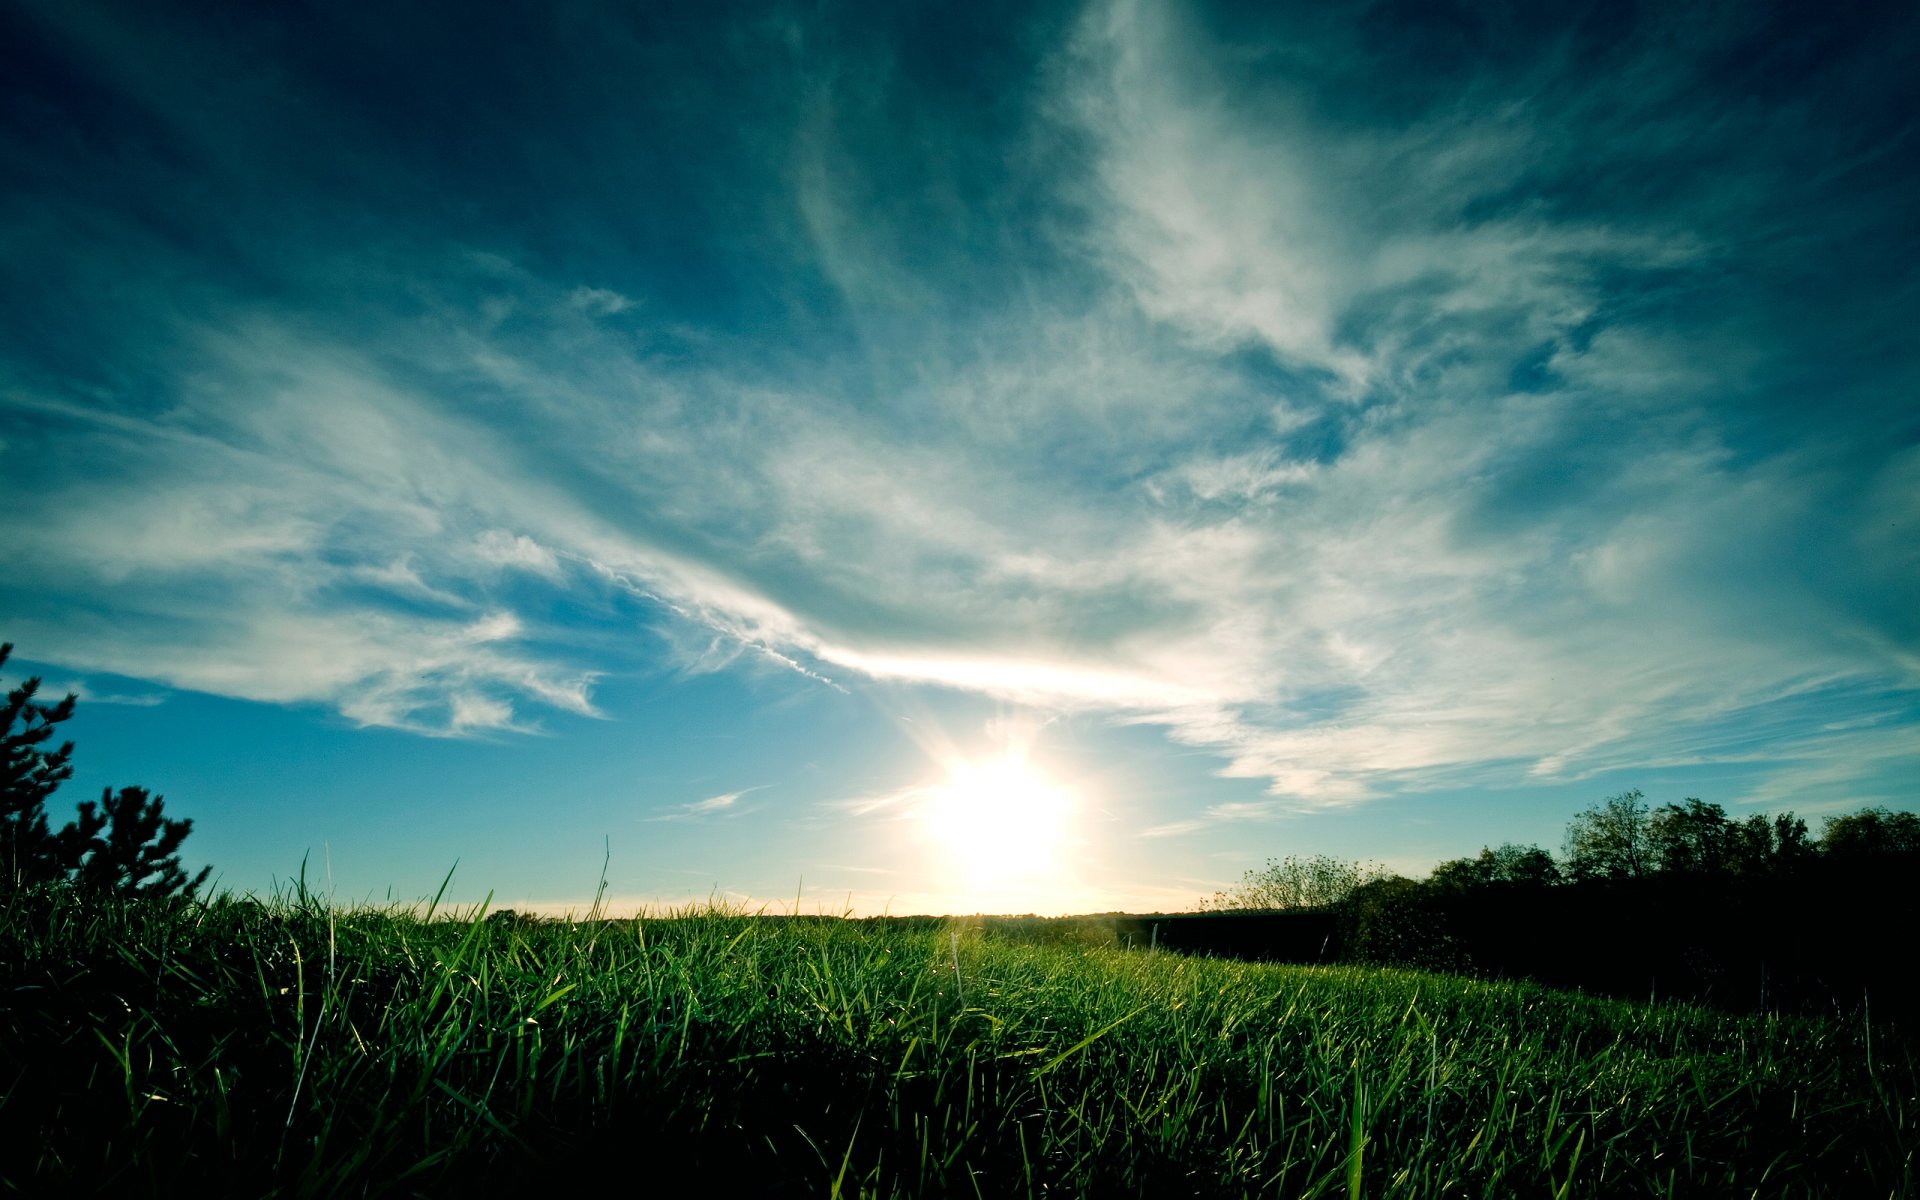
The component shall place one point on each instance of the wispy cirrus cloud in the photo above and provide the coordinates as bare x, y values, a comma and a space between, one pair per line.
1367, 444
726, 804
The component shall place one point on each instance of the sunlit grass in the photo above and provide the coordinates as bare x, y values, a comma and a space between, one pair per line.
293, 1049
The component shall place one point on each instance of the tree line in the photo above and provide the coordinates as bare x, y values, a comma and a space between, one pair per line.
123, 844
1619, 839
1677, 900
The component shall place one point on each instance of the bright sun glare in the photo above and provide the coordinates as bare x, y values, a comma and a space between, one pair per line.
1000, 822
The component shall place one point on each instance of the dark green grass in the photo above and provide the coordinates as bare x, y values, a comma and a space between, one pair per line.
288, 1049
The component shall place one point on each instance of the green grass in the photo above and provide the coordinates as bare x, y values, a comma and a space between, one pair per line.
288, 1049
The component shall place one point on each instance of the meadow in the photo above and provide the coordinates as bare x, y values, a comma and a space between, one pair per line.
292, 1048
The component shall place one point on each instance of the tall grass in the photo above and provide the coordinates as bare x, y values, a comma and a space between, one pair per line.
288, 1048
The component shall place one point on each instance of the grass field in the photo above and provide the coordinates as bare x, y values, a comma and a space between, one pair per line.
290, 1049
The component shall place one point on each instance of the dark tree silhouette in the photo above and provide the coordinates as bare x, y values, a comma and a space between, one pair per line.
1769, 846
1609, 840
1391, 919
1792, 848
130, 847
29, 773
123, 845
1695, 838
1871, 832
1511, 863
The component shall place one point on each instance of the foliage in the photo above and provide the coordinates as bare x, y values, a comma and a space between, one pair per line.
1691, 838
1622, 838
1511, 865
1871, 832
1792, 848
29, 773
284, 1048
1609, 840
1678, 900
1315, 881
1395, 921
125, 844
1696, 838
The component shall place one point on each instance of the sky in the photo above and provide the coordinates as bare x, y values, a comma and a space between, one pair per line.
949, 458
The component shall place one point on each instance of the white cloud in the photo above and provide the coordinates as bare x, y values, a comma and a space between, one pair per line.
1366, 565
84, 692
600, 302
400, 578
1171, 829
1332, 629
723, 804
1242, 217
506, 549
1213, 229
1238, 478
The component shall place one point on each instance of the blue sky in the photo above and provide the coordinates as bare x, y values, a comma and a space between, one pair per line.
1033, 457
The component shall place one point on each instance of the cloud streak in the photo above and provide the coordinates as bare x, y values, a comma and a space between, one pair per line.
723, 804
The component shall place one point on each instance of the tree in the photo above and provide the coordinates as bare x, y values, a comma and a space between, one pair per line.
1762, 845
1316, 881
1609, 840
125, 844
129, 846
1463, 874
1390, 919
1792, 848
1526, 866
29, 773
1695, 838
1511, 863
1871, 832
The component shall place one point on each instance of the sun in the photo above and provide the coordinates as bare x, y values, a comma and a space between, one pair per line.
1000, 821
